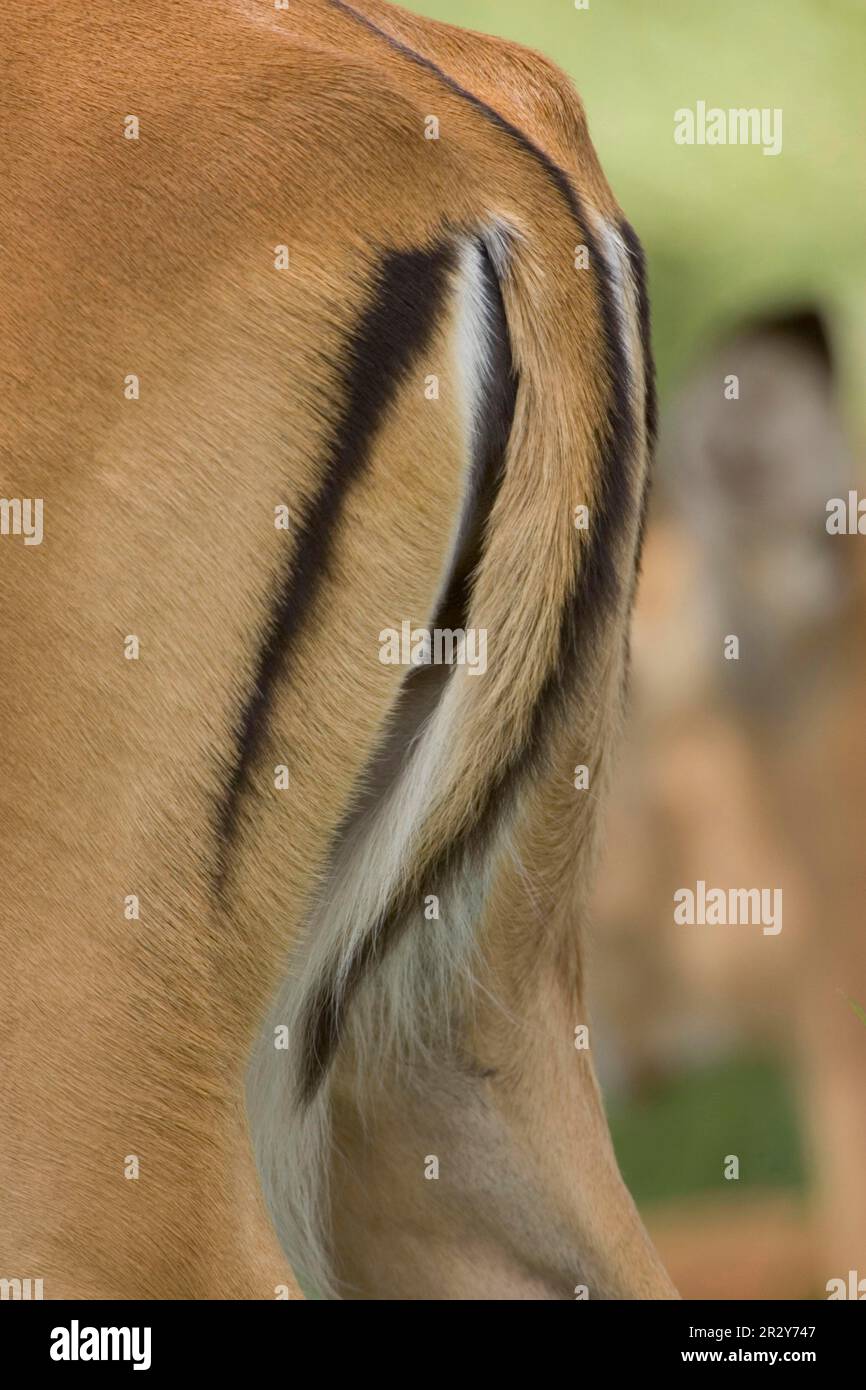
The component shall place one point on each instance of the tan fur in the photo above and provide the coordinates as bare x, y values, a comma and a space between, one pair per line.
156, 257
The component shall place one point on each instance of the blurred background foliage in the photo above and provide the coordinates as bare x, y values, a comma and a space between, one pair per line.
729, 231
709, 1043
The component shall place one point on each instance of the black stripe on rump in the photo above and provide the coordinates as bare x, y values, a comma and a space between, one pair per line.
407, 294
599, 588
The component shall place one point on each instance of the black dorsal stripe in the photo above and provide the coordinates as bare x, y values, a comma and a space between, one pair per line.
406, 298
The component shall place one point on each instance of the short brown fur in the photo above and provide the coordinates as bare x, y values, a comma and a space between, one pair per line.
156, 257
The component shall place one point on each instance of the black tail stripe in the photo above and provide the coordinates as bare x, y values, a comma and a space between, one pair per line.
639, 271
598, 589
325, 1012
393, 331
638, 259
600, 576
493, 418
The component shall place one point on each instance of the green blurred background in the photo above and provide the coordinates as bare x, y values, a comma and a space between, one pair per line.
729, 231
710, 1047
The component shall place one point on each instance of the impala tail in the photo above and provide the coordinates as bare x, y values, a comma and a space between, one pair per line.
536, 300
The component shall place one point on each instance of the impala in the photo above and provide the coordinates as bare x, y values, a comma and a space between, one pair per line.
337, 1040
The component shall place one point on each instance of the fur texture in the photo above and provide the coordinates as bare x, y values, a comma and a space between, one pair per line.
285, 262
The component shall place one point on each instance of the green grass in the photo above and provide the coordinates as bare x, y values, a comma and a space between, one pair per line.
674, 1144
